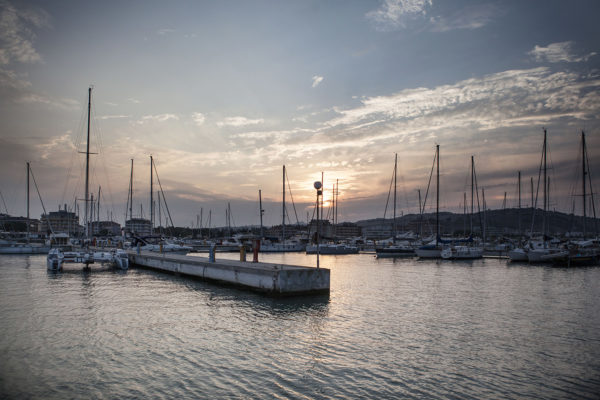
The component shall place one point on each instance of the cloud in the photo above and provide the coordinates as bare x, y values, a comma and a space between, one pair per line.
16, 35
239, 121
198, 118
61, 142
103, 117
469, 18
558, 52
157, 118
316, 80
165, 31
493, 100
393, 13
36, 98
10, 79
134, 101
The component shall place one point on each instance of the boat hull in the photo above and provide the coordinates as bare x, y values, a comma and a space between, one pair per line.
428, 252
331, 249
394, 252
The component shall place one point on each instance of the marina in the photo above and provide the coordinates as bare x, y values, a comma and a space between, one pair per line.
387, 199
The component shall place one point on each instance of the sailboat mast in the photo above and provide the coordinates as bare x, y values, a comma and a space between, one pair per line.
420, 215
545, 187
151, 197
532, 205
437, 201
337, 195
87, 164
131, 191
583, 178
159, 214
395, 187
283, 209
98, 205
472, 189
519, 215
27, 202
261, 211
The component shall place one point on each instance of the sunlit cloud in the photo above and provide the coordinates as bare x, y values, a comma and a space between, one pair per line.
473, 17
61, 103
61, 142
393, 13
157, 118
558, 52
316, 80
10, 79
495, 98
198, 118
239, 121
104, 117
16, 34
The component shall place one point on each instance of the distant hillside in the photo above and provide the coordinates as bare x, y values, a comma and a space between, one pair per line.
496, 222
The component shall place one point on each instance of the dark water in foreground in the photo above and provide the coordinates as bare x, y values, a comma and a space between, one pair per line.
389, 329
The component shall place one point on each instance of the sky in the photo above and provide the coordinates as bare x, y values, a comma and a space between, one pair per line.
223, 94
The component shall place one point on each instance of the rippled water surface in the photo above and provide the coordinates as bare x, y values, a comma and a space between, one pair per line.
389, 329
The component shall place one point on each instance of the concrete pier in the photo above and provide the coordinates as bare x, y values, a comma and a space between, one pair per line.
271, 279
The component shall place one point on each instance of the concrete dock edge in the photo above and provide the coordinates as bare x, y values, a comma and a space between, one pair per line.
267, 278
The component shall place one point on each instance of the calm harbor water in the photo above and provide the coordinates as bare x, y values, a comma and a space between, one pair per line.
389, 329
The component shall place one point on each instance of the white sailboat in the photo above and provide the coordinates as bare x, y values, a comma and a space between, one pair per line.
462, 251
116, 257
19, 247
434, 248
395, 249
283, 245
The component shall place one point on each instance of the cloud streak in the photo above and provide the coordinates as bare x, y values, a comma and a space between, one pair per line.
237, 122
498, 98
198, 118
316, 80
469, 18
558, 52
158, 118
394, 13
16, 38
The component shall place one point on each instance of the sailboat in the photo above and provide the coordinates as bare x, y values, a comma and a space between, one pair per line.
18, 247
581, 252
462, 251
283, 245
434, 248
544, 250
395, 249
115, 257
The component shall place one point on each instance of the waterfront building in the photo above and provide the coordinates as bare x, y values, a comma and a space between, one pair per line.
61, 221
138, 226
108, 228
347, 230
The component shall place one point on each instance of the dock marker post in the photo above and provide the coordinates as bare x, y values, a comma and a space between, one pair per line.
255, 249
318, 186
211, 253
242, 253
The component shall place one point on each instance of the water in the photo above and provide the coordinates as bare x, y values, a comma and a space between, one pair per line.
389, 329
